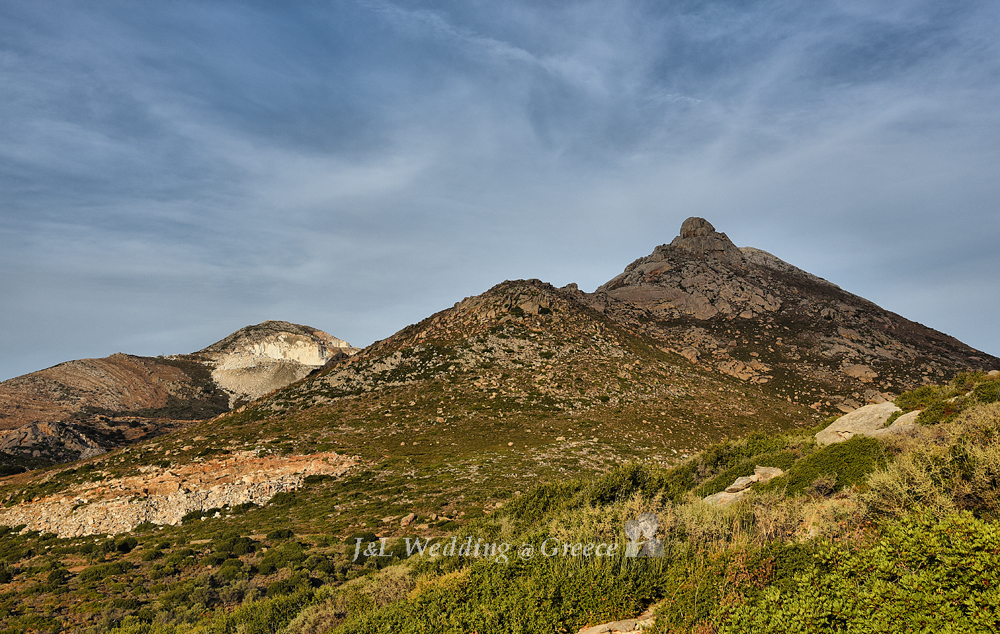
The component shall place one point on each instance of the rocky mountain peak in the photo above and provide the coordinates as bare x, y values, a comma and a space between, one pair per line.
257, 359
749, 314
280, 340
700, 238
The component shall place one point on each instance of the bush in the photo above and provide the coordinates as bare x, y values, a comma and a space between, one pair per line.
940, 412
920, 398
921, 574
126, 544
101, 571
988, 392
850, 461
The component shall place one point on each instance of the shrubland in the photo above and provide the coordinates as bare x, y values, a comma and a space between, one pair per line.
899, 533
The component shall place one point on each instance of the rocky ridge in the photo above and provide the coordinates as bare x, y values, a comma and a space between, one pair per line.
748, 314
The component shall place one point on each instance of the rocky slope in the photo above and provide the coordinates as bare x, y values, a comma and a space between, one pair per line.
79, 408
165, 495
748, 314
259, 359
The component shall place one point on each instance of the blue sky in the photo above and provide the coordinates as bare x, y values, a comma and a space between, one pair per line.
173, 171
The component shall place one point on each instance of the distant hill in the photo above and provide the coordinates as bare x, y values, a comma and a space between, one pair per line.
80, 408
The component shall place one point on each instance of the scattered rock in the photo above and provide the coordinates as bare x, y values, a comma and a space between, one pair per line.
858, 371
741, 486
627, 626
407, 519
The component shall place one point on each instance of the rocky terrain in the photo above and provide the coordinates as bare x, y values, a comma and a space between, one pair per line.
259, 359
165, 495
748, 314
80, 408
449, 425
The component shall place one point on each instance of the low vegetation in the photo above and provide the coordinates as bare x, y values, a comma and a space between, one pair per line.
899, 533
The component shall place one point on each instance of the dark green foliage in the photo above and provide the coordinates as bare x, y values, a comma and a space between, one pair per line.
152, 555
919, 575
127, 603
534, 596
988, 392
781, 459
281, 533
286, 555
317, 478
849, 461
100, 571
126, 544
232, 569
234, 546
920, 398
939, 412
179, 556
622, 482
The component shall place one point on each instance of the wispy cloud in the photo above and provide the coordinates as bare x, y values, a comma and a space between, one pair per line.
357, 166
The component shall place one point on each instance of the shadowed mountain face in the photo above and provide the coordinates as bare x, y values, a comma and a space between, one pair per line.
746, 313
85, 407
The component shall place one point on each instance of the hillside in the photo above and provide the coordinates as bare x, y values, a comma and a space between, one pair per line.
82, 408
746, 313
526, 412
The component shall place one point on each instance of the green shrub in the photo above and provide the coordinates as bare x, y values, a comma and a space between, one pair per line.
920, 574
100, 571
152, 555
939, 412
850, 461
126, 544
920, 398
781, 459
988, 392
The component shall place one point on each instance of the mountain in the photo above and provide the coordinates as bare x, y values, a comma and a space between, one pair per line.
451, 424
259, 359
748, 314
79, 408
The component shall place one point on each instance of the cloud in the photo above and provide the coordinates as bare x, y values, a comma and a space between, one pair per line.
175, 173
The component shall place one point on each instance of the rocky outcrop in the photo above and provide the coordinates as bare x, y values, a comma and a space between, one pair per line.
748, 314
166, 495
868, 421
69, 411
741, 486
259, 359
54, 442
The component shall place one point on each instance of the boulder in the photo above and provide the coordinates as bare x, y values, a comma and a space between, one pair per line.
864, 421
766, 474
905, 423
741, 486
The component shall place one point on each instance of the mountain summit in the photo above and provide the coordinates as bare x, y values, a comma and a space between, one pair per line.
259, 359
752, 315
